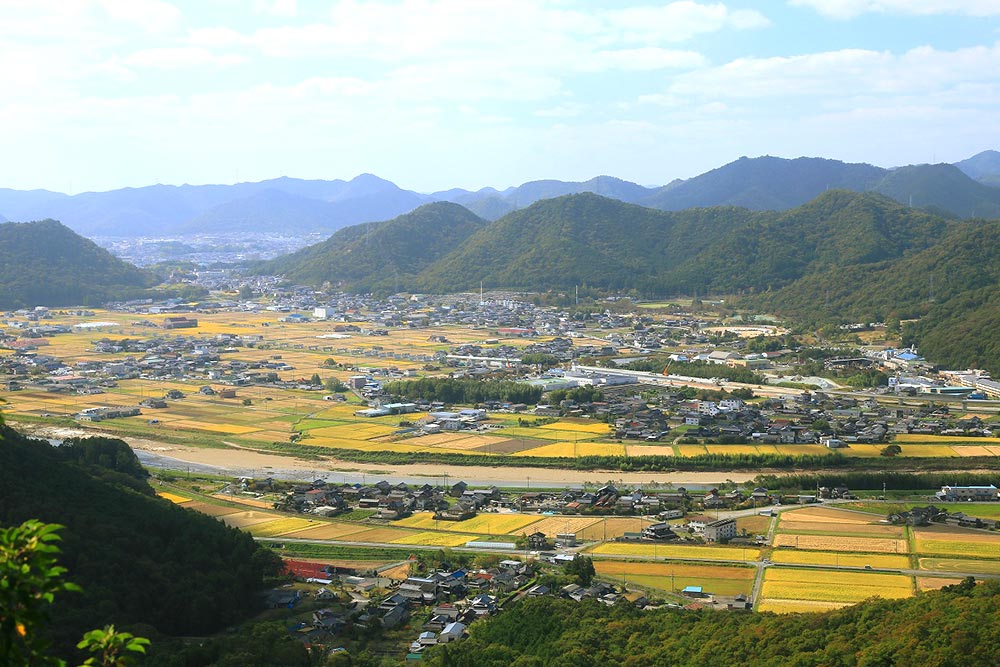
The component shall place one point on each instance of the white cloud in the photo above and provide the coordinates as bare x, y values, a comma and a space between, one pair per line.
847, 9
840, 76
151, 15
648, 58
680, 21
286, 8
180, 57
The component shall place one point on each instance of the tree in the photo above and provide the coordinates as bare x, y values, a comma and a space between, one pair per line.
315, 380
29, 581
891, 450
583, 568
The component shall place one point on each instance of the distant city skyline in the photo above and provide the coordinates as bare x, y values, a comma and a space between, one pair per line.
104, 94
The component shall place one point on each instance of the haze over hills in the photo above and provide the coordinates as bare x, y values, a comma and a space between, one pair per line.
47, 263
290, 205
844, 256
381, 255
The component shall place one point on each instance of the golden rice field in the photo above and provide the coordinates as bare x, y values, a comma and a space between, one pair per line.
959, 565
483, 524
833, 585
581, 426
676, 551
380, 535
173, 497
842, 543
714, 579
932, 439
571, 449
281, 526
247, 519
779, 606
431, 538
883, 561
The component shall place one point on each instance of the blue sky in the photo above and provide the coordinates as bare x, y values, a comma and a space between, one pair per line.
102, 94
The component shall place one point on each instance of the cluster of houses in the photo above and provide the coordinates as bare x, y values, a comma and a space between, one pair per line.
924, 516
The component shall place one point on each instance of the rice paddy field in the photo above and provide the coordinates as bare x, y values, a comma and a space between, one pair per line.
671, 577
274, 415
482, 524
838, 559
695, 552
832, 586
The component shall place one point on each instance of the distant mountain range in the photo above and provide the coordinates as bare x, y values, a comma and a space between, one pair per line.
842, 257
970, 188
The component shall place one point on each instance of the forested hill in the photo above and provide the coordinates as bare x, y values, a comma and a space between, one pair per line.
959, 626
582, 239
381, 255
589, 240
45, 263
140, 559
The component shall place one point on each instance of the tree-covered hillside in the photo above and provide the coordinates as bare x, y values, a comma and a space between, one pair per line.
140, 559
381, 255
45, 263
956, 626
582, 239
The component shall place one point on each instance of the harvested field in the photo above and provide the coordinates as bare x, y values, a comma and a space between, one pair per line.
510, 445
554, 525
549, 434
842, 543
960, 565
755, 525
959, 547
244, 500
483, 524
327, 531
929, 439
824, 514
608, 529
850, 529
210, 508
573, 449
935, 583
885, 561
650, 450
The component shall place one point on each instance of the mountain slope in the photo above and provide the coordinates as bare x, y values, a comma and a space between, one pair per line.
981, 165
272, 211
45, 263
582, 239
381, 255
941, 186
139, 559
765, 183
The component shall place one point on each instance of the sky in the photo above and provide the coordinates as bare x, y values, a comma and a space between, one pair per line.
436, 94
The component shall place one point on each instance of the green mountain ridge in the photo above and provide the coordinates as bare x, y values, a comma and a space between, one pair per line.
45, 263
380, 255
